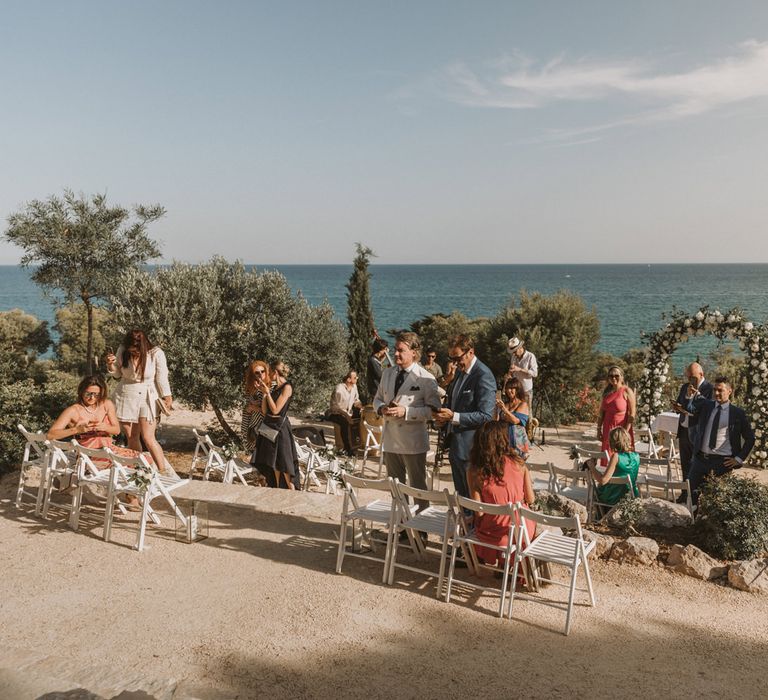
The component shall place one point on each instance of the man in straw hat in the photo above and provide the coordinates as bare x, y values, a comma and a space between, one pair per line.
523, 366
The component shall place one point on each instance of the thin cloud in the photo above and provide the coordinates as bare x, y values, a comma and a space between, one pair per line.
650, 94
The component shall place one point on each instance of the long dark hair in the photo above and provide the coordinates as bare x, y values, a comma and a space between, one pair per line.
136, 342
92, 380
490, 449
517, 386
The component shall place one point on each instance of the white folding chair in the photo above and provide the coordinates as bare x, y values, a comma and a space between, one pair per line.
549, 546
381, 512
436, 519
316, 466
215, 461
600, 508
466, 539
35, 456
61, 464
92, 472
570, 483
201, 453
540, 483
668, 486
121, 483
374, 430
645, 445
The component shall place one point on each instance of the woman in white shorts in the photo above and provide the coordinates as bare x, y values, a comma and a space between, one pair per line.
143, 374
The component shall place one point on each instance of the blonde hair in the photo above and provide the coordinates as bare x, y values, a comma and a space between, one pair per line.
619, 440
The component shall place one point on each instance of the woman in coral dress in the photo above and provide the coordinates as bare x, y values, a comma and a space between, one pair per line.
617, 410
498, 475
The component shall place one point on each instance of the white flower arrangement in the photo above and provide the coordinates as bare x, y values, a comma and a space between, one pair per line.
731, 324
141, 477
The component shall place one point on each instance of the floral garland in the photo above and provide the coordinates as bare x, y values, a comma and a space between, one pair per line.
729, 325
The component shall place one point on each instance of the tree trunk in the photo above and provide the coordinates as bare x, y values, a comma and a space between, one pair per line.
223, 422
89, 344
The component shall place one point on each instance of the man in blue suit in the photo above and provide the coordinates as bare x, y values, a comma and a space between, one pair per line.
724, 438
471, 402
687, 425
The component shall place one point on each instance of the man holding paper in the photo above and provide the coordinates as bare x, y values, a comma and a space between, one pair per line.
406, 397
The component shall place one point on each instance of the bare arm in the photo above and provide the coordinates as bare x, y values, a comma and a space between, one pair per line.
286, 391
474, 485
530, 496
66, 425
631, 408
599, 478
112, 425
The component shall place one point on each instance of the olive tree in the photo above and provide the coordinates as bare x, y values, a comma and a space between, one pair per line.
360, 317
79, 247
214, 318
562, 332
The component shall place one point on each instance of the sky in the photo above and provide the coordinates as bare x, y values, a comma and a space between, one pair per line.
433, 132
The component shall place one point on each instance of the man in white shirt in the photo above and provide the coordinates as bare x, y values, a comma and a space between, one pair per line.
523, 366
406, 397
345, 404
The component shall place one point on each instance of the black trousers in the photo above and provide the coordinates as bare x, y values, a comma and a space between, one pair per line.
686, 450
701, 467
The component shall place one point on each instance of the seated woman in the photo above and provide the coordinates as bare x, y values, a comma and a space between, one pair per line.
498, 475
623, 461
92, 421
345, 409
512, 408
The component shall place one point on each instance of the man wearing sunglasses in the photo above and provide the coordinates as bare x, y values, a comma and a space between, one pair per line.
471, 402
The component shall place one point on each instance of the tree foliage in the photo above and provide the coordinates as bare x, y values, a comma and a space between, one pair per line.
22, 338
360, 317
212, 319
72, 329
437, 329
562, 332
80, 246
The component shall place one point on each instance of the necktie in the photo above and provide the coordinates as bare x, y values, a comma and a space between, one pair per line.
399, 381
715, 426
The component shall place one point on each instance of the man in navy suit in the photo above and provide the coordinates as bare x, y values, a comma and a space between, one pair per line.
471, 402
724, 438
687, 425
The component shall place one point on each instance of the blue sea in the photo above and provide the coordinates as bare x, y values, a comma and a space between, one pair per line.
628, 299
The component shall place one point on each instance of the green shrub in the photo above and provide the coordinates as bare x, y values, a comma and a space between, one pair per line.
628, 511
35, 403
733, 517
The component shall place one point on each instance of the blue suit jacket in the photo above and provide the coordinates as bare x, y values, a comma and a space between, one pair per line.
706, 391
475, 404
740, 432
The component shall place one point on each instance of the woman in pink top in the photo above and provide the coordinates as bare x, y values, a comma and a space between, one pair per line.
617, 410
498, 475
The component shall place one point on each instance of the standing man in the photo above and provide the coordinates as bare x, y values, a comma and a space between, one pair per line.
376, 365
687, 424
471, 402
406, 397
523, 366
431, 365
724, 438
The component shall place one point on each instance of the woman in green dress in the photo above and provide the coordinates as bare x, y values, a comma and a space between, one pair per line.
623, 462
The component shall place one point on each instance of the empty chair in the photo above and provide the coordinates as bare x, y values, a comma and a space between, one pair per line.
230, 468
570, 483
549, 546
317, 466
436, 519
373, 425
540, 475
381, 512
645, 445
668, 486
61, 464
35, 456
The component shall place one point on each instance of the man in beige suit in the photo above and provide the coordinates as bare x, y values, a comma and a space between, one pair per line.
406, 397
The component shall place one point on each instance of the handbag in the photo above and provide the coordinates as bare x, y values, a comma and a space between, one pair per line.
269, 433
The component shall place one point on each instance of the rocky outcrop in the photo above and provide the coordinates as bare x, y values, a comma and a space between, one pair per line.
560, 505
691, 561
656, 512
750, 575
603, 543
635, 550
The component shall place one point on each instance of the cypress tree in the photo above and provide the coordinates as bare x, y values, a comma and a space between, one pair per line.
360, 318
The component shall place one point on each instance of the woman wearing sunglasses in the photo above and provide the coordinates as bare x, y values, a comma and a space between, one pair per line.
617, 409
255, 373
91, 421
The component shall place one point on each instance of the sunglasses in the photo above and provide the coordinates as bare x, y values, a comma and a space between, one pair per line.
259, 371
92, 394
614, 376
456, 358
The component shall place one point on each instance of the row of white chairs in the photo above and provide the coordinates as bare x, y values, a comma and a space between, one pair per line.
444, 519
101, 470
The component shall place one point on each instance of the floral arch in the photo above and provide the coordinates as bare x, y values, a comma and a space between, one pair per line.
752, 339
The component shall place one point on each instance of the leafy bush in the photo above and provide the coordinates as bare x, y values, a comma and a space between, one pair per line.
72, 326
437, 329
628, 511
212, 319
733, 517
22, 338
35, 403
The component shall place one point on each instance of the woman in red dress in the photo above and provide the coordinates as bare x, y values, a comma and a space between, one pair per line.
498, 475
617, 409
